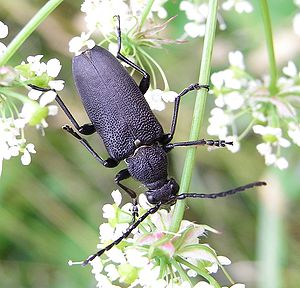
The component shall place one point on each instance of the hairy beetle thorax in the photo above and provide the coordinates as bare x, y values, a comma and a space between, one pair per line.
148, 164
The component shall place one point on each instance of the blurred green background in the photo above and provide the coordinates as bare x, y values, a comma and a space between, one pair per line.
50, 211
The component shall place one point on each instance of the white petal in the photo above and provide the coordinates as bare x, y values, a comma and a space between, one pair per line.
194, 30
243, 6
238, 285
116, 255
75, 44
34, 94
117, 196
259, 129
203, 284
108, 211
213, 268
2, 48
236, 59
282, 163
90, 43
136, 258
53, 67
58, 85
224, 260
47, 98
290, 70
296, 24
169, 96
3, 30
26, 158
112, 272
52, 110
30, 148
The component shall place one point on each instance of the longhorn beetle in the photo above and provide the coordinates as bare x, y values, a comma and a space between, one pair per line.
122, 117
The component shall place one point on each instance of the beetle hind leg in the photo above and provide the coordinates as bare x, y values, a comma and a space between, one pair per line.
109, 163
145, 82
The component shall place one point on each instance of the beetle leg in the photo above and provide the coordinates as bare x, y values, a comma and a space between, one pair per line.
122, 175
145, 82
109, 163
125, 234
86, 129
168, 137
218, 143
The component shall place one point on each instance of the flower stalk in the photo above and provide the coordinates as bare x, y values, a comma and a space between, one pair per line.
30, 27
198, 111
270, 47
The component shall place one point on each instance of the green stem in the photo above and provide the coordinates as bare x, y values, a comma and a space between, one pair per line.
181, 272
205, 275
198, 112
270, 47
17, 96
31, 26
145, 14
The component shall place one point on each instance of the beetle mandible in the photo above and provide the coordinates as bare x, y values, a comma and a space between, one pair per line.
121, 116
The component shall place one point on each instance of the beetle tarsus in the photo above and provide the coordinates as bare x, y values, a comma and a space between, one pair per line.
70, 130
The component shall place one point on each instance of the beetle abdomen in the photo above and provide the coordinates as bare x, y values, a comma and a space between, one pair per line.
114, 103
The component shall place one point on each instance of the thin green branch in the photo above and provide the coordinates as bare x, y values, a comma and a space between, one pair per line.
145, 14
31, 26
198, 111
270, 47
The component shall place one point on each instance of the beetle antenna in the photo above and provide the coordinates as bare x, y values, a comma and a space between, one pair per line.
125, 234
220, 194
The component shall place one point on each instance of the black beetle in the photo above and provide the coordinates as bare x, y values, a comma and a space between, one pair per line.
122, 117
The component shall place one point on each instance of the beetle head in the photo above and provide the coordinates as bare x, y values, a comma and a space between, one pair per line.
163, 193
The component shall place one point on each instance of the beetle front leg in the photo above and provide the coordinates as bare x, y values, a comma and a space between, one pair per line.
109, 162
168, 137
86, 129
145, 82
122, 175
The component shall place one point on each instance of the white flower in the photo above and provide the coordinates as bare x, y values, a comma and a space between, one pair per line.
136, 258
294, 132
77, 43
196, 14
57, 85
281, 163
53, 67
240, 6
36, 65
26, 158
112, 272
236, 59
218, 123
290, 70
153, 97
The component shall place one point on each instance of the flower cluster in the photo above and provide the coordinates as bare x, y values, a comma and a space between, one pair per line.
18, 110
99, 18
270, 115
196, 13
141, 261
